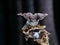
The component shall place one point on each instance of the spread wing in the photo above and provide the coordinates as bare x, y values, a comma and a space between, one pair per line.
25, 15
28, 15
33, 16
41, 15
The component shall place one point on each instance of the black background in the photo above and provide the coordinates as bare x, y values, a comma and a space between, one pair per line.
9, 24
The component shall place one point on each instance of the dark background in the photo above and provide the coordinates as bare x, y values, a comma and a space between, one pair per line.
11, 24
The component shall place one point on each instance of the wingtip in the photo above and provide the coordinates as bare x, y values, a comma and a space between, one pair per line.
46, 14
19, 14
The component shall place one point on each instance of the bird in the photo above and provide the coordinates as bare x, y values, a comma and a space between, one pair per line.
32, 19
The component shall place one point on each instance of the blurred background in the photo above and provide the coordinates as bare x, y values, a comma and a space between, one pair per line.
11, 24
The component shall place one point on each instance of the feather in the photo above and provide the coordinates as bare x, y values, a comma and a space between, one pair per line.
41, 15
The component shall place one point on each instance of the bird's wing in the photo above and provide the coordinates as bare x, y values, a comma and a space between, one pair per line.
25, 15
41, 15
33, 16
20, 14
